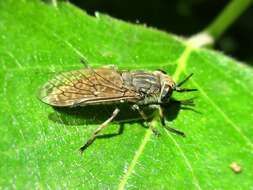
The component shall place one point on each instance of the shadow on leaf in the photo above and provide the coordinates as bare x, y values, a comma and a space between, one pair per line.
97, 114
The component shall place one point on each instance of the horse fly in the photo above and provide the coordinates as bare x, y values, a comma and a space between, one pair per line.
107, 85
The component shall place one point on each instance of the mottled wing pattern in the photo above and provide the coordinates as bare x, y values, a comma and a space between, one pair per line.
86, 86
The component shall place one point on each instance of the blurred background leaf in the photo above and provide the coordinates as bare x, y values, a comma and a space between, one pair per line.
182, 18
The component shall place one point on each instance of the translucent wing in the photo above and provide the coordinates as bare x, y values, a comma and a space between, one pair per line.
86, 86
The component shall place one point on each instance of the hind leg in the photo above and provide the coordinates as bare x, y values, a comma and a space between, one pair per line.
99, 129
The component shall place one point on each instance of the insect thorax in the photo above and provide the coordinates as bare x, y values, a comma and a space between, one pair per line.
146, 84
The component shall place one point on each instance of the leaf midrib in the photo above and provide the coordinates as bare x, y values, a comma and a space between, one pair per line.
181, 68
181, 65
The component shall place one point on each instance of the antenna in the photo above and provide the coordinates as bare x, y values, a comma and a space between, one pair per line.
178, 89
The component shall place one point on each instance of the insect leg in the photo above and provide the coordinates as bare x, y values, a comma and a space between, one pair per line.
96, 132
144, 117
161, 114
173, 130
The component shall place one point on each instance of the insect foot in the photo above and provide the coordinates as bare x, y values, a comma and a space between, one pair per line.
156, 132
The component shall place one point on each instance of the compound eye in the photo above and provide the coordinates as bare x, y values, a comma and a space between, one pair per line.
166, 94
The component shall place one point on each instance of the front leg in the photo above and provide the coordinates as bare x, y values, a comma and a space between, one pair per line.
145, 118
161, 114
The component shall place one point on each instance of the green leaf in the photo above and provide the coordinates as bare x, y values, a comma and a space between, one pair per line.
38, 151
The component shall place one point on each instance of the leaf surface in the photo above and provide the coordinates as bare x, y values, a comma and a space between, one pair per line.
38, 151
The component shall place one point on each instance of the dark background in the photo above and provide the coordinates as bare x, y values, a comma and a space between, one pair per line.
181, 17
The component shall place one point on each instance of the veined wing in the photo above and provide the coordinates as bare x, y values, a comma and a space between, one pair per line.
86, 86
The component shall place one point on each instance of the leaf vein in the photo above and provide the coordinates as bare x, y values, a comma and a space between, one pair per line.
186, 160
182, 61
223, 114
225, 74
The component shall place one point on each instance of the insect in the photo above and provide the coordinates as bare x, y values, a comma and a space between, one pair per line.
108, 85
